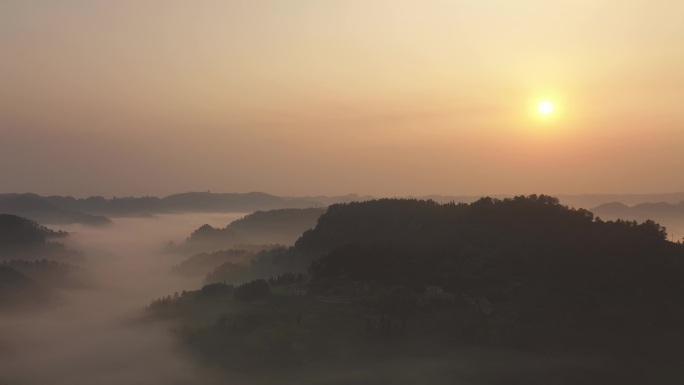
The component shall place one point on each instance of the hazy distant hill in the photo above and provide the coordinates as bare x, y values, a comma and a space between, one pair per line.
262, 264
184, 202
671, 215
280, 226
586, 201
32, 263
22, 238
233, 202
19, 292
202, 263
41, 210
592, 200
641, 211
16, 289
10, 277
66, 209
51, 274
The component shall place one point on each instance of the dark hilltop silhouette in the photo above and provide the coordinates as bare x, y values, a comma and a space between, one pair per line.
32, 263
399, 279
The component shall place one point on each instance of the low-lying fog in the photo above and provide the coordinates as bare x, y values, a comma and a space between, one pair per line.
92, 338
89, 338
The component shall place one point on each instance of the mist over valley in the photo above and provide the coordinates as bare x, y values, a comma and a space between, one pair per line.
381, 291
341, 192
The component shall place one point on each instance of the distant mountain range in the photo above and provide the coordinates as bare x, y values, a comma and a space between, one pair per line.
586, 201
44, 210
641, 211
95, 210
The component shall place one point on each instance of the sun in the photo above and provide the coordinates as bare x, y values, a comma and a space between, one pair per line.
545, 107
545, 112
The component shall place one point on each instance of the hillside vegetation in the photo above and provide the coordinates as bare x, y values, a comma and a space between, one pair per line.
32, 263
523, 273
22, 238
282, 226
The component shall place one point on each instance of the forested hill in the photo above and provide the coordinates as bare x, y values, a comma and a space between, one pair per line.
22, 238
556, 277
17, 232
32, 264
281, 226
13, 285
525, 273
487, 244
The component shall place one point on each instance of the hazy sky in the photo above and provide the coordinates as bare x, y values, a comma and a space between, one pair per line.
384, 97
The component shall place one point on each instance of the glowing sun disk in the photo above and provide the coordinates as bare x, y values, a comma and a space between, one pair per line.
545, 107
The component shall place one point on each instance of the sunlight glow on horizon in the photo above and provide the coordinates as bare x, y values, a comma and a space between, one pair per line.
328, 97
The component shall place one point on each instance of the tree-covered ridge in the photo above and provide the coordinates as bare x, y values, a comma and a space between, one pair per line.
50, 273
282, 226
483, 243
202, 263
260, 265
22, 238
551, 272
416, 224
10, 277
278, 221
32, 263
18, 291
17, 232
525, 273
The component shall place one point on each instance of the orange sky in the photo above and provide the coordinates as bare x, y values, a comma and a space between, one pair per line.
308, 97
